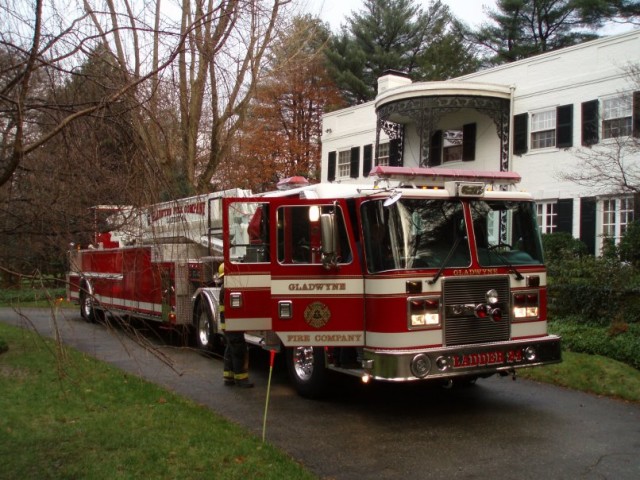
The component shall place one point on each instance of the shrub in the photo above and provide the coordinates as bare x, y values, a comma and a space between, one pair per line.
619, 342
561, 246
630, 245
599, 289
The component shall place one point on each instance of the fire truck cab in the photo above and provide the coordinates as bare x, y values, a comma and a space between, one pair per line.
426, 274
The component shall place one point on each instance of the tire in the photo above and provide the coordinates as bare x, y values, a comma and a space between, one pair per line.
307, 370
204, 329
89, 309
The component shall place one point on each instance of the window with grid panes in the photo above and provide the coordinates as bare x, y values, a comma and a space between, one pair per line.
543, 129
383, 154
626, 213
617, 214
609, 218
617, 117
547, 217
344, 164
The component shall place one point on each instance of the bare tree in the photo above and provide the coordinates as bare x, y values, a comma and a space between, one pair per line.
612, 167
214, 51
215, 75
32, 50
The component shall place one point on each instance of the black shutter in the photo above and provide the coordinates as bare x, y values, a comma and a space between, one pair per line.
355, 162
590, 123
469, 142
636, 114
588, 223
564, 126
435, 151
394, 153
367, 160
331, 167
520, 133
565, 215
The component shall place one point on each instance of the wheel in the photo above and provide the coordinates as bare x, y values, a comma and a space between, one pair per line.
204, 329
307, 370
87, 309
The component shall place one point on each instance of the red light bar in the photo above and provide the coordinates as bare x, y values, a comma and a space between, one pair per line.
292, 182
437, 176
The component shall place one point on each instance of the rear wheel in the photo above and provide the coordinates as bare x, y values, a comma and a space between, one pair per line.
307, 370
205, 330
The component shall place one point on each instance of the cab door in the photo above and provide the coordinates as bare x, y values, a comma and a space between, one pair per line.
247, 259
314, 304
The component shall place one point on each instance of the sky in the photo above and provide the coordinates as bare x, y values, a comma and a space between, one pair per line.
335, 12
472, 12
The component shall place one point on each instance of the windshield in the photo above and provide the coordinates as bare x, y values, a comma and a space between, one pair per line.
506, 233
414, 233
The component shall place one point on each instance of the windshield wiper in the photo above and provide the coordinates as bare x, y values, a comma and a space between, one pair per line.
446, 260
494, 249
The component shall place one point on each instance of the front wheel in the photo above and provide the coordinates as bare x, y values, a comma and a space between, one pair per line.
307, 370
87, 308
204, 329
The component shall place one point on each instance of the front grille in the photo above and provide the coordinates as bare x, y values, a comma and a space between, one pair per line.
465, 328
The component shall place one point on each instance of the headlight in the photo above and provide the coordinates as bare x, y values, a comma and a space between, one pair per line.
423, 312
492, 296
526, 305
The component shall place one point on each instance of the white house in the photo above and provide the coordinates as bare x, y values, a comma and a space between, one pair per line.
530, 116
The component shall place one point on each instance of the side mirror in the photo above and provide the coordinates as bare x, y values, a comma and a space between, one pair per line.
328, 231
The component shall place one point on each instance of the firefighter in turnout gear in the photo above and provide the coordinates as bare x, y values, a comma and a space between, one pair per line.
236, 353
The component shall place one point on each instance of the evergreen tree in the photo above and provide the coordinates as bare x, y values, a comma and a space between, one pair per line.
522, 28
398, 35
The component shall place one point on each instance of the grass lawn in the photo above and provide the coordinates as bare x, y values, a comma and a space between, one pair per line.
590, 373
32, 297
66, 415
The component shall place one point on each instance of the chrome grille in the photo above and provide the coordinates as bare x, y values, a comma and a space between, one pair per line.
465, 328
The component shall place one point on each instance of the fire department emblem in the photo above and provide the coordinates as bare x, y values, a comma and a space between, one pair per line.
317, 314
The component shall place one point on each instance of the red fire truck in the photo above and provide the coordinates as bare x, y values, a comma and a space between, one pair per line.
426, 274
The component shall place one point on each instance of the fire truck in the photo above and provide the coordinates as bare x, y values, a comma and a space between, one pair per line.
426, 274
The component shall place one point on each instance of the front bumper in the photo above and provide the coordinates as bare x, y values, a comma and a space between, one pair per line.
461, 361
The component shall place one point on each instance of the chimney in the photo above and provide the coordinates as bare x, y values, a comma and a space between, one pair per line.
392, 79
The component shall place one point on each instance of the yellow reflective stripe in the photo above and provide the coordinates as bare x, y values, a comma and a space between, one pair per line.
241, 376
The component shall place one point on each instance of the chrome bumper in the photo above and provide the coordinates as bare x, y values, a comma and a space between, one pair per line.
460, 361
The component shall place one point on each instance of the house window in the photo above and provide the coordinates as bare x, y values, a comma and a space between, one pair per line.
609, 218
344, 164
547, 217
617, 117
452, 145
383, 154
543, 129
617, 214
626, 214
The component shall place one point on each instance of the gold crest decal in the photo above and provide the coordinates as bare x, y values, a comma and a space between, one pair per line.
317, 314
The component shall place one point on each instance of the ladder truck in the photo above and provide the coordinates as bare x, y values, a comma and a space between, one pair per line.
427, 274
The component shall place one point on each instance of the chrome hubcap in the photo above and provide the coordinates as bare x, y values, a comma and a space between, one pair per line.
203, 329
303, 362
